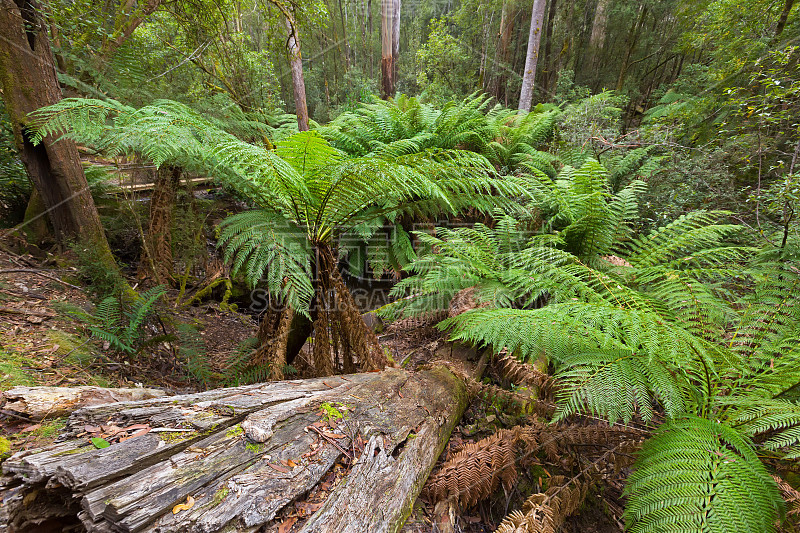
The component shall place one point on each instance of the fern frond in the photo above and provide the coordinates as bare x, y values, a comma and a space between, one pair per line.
699, 475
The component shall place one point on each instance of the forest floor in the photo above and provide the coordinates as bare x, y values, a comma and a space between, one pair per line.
43, 343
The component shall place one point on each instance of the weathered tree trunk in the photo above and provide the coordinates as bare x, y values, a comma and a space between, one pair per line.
387, 67
156, 257
28, 81
298, 83
243, 455
532, 57
41, 402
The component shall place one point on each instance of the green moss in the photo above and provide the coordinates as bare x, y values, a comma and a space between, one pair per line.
71, 452
235, 431
171, 437
5, 448
76, 350
219, 496
12, 371
331, 412
255, 447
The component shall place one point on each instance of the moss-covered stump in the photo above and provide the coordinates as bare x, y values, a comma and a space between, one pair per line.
240, 457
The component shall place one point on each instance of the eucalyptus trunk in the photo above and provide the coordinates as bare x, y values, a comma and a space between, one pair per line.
298, 83
532, 57
387, 57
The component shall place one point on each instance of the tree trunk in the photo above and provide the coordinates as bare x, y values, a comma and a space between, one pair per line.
787, 8
387, 67
633, 39
507, 18
547, 79
28, 81
395, 38
298, 83
532, 57
598, 36
156, 258
243, 455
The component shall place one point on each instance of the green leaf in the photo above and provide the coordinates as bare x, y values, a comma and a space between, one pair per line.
100, 443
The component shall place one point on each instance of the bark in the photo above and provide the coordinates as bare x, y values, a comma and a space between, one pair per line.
244, 454
395, 38
507, 18
598, 36
387, 59
298, 83
156, 258
28, 82
532, 56
787, 8
52, 402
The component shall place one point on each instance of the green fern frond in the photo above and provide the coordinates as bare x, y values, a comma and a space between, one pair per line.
699, 475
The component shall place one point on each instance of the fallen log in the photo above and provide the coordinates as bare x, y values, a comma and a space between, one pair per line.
39, 402
244, 456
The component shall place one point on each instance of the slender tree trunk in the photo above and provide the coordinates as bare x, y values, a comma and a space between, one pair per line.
395, 38
532, 57
387, 67
633, 39
548, 44
298, 83
507, 16
787, 8
344, 36
28, 81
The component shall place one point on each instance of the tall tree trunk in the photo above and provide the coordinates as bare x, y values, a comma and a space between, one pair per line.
395, 38
598, 36
28, 81
787, 8
633, 39
387, 67
344, 36
298, 83
532, 57
507, 16
548, 45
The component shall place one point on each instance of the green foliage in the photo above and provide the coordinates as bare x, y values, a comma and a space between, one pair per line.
192, 353
123, 325
699, 475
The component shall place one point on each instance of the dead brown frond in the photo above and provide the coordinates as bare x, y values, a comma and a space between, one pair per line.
789, 494
521, 373
476, 471
545, 512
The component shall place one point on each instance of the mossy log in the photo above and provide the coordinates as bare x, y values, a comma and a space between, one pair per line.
243, 455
